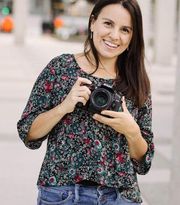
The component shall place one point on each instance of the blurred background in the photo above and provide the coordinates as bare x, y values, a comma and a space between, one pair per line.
32, 32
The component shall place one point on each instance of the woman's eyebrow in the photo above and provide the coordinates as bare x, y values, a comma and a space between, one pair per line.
107, 19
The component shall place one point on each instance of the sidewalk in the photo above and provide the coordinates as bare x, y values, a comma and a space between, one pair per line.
19, 67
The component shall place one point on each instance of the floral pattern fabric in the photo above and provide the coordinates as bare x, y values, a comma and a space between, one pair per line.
78, 147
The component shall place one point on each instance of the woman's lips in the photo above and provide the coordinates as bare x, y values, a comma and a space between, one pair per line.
110, 45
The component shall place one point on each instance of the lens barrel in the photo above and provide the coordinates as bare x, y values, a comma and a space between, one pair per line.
101, 99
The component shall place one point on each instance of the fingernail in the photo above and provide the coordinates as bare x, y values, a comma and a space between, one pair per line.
94, 116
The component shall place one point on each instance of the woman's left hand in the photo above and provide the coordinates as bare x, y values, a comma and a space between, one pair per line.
123, 122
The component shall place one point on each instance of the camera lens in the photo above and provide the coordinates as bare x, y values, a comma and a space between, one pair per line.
101, 99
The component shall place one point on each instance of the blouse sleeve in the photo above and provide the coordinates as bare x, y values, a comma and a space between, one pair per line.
145, 123
39, 102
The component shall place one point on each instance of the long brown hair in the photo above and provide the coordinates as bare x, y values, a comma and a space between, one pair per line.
132, 79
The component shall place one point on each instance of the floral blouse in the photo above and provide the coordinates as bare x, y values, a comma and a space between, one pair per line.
78, 147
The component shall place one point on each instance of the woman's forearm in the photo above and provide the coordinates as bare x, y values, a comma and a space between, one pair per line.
44, 122
137, 146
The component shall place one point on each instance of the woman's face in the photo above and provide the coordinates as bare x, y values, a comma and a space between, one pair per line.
112, 31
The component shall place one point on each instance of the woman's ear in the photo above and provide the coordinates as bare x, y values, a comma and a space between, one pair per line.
92, 23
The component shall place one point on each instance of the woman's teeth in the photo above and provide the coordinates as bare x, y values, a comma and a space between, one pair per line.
110, 44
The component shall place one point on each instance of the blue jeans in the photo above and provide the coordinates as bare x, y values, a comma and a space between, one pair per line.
81, 195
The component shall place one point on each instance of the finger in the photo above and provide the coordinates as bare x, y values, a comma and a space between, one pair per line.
124, 105
85, 88
82, 100
111, 113
102, 119
84, 94
82, 81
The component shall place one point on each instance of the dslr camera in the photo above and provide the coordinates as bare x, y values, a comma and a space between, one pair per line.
103, 98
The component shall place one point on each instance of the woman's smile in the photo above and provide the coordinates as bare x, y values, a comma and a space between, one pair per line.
110, 45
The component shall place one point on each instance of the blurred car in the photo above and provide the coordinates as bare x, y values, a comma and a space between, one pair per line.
68, 26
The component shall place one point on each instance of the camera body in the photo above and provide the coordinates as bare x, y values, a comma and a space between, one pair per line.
103, 98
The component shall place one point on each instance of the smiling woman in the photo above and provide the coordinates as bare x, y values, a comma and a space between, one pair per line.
95, 110
112, 32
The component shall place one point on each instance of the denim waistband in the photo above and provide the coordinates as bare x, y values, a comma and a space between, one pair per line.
95, 190
91, 194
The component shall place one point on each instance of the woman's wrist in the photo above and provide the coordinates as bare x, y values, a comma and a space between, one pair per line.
134, 134
137, 145
61, 111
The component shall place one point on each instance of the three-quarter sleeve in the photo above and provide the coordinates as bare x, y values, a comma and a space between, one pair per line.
38, 102
145, 123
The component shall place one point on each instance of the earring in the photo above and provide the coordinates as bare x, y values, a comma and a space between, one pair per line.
91, 35
127, 49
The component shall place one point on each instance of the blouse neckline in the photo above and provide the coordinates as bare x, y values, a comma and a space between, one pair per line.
84, 72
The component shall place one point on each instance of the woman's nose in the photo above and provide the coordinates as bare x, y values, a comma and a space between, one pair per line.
115, 34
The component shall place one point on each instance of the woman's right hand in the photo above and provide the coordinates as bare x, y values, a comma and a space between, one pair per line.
44, 122
78, 93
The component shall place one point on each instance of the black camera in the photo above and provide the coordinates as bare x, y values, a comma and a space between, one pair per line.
103, 98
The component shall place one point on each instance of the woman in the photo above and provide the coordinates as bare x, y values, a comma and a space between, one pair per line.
93, 156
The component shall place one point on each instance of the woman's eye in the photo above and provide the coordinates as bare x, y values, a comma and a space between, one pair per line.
125, 30
108, 23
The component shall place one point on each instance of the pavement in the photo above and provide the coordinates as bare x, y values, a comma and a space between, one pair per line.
19, 67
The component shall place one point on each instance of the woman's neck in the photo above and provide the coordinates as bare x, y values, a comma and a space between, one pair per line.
107, 65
